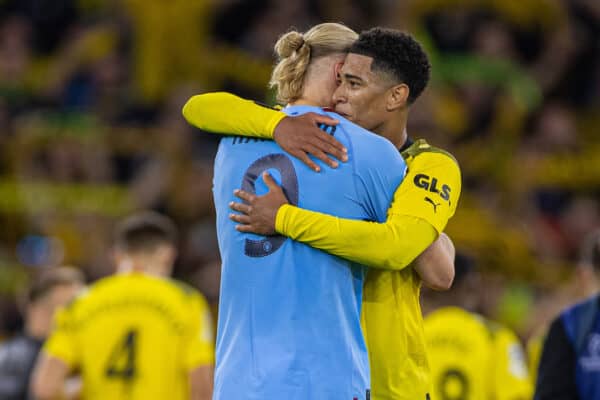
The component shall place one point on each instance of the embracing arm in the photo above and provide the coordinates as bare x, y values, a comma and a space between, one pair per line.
416, 217
222, 112
422, 206
390, 245
225, 113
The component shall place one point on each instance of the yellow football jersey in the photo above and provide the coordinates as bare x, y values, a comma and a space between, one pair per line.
472, 358
134, 336
393, 329
391, 315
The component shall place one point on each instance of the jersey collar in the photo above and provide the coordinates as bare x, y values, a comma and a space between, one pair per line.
409, 142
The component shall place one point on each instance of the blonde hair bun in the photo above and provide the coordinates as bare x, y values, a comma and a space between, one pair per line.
288, 44
296, 50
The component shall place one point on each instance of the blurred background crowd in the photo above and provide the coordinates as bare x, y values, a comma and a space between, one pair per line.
91, 129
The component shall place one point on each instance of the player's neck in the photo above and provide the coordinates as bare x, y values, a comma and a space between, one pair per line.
37, 325
143, 266
394, 129
303, 102
395, 133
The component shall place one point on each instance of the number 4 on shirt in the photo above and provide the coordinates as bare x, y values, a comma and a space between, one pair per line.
121, 364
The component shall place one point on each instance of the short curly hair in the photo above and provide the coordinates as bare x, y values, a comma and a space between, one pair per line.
398, 54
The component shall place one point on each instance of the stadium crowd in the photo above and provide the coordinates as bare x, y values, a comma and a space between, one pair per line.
91, 130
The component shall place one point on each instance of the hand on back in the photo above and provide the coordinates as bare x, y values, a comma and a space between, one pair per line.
301, 136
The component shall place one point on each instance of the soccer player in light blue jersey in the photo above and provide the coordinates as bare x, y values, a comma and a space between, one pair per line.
289, 315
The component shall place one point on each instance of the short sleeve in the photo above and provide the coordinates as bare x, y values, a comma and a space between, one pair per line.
62, 341
200, 343
430, 190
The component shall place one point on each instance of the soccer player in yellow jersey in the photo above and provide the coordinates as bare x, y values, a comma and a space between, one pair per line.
383, 74
471, 357
137, 334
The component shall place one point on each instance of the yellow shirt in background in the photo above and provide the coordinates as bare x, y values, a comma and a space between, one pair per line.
472, 358
134, 336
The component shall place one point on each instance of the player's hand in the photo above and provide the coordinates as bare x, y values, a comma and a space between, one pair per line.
301, 136
258, 213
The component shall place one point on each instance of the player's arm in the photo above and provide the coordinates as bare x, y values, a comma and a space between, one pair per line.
222, 112
201, 382
225, 113
57, 358
413, 223
435, 265
49, 378
199, 357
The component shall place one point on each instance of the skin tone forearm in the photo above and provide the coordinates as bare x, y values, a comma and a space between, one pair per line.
49, 377
435, 265
201, 383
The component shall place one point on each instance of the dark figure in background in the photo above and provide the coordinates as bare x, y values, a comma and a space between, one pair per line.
570, 364
52, 289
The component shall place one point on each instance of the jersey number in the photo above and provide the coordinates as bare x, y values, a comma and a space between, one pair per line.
454, 385
121, 364
289, 184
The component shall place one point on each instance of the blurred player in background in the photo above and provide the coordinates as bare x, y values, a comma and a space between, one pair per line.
289, 315
137, 334
383, 75
570, 362
471, 357
49, 291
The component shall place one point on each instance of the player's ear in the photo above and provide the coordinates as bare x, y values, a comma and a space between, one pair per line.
397, 97
336, 72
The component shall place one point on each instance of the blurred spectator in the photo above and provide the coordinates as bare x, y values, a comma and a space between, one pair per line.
52, 289
570, 362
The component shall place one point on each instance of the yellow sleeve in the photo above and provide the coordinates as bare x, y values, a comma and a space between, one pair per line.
430, 190
420, 210
225, 113
200, 349
393, 244
511, 377
62, 341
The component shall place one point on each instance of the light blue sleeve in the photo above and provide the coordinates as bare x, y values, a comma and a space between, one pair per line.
379, 170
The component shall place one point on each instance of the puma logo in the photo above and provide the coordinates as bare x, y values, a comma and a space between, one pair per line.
433, 203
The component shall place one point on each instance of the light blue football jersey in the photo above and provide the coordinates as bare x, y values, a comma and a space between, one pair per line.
289, 315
